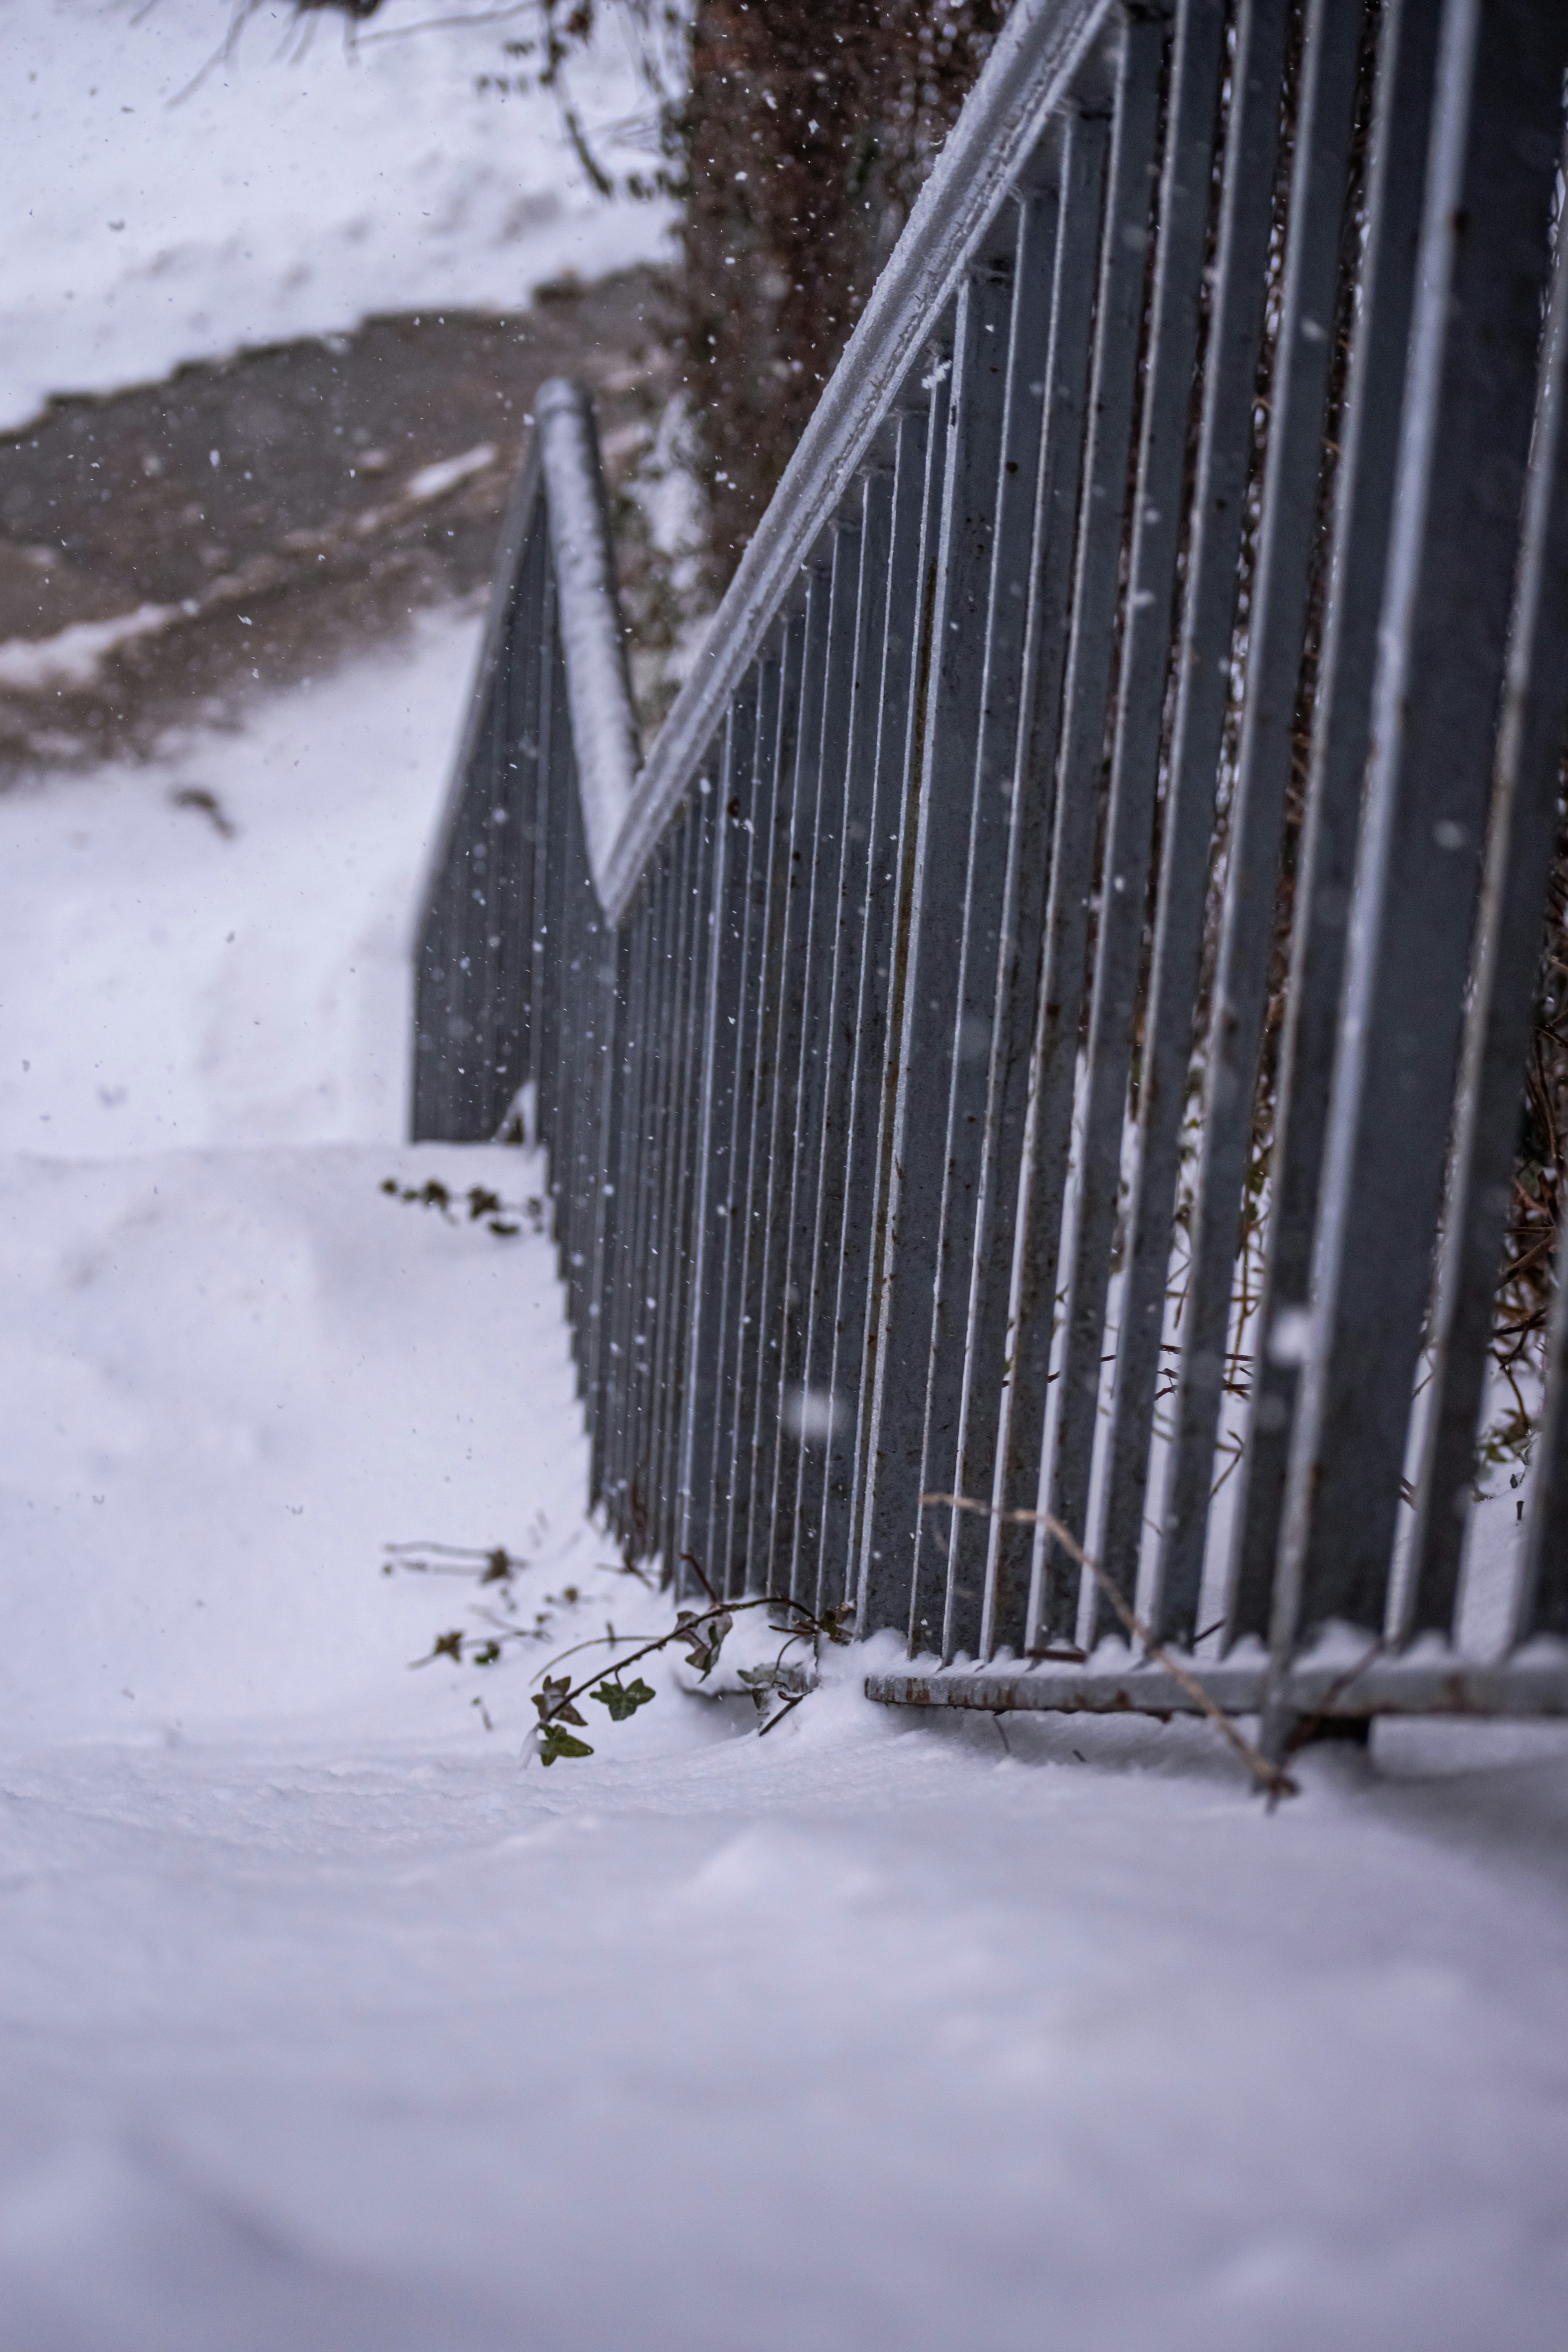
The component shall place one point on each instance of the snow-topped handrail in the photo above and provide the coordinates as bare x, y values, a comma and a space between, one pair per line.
593, 635
560, 484
1037, 52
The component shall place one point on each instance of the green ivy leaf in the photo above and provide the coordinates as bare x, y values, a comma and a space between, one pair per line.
448, 1645
487, 1655
623, 1699
556, 1742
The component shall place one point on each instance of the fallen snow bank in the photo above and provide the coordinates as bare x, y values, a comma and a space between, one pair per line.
227, 1380
304, 182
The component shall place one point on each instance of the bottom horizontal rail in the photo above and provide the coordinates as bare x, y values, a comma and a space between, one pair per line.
1519, 1687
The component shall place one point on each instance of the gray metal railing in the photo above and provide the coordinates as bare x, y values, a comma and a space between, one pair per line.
1163, 621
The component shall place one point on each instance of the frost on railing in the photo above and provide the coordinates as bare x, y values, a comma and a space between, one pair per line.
1047, 1024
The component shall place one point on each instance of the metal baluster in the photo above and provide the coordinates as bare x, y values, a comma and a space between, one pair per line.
633, 1088
1514, 914
816, 1044
881, 1593
1084, 706
890, 684
844, 933
752, 814
772, 847
636, 1173
787, 989
1203, 689
678, 1247
1276, 624
1003, 1406
1374, 406
615, 980
684, 855
1184, 207
928, 1043
956, 1561
569, 1090
712, 1127
654, 1162
1485, 259
512, 815
556, 740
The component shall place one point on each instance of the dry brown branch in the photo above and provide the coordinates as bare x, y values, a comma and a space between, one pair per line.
1271, 1778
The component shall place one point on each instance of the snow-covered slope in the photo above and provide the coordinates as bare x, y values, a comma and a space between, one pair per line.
214, 949
167, 195
328, 2023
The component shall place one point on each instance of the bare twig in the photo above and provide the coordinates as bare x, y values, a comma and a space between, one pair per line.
788, 1708
1268, 1777
1311, 1725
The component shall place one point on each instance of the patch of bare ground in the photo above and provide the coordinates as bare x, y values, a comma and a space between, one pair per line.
169, 552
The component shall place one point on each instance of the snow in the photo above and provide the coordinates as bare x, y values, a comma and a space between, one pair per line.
330, 2018
327, 2020
163, 983
307, 180
603, 726
72, 656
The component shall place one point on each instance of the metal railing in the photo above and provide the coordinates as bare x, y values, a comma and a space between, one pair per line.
1163, 621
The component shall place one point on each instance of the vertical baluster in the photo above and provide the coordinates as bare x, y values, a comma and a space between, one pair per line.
993, 1430
713, 1133
658, 1300
677, 1273
785, 990
814, 961
1514, 914
633, 1096
1485, 259
1203, 689
881, 1600
1086, 688
753, 814
485, 851
566, 1146
1374, 404
843, 945
891, 672
588, 1007
555, 753
929, 1045
1277, 623
648, 1180
964, 1396
511, 812
772, 846
615, 982
1141, 691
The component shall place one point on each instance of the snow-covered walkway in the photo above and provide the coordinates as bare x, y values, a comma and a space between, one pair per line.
325, 2024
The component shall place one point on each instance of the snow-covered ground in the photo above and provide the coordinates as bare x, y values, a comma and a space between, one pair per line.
167, 195
327, 2023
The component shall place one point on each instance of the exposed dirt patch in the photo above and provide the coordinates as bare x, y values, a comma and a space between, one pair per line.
165, 552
